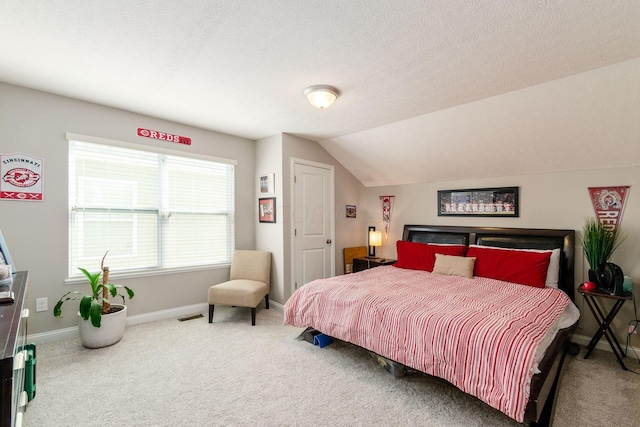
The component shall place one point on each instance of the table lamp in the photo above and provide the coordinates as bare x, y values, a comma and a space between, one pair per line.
375, 239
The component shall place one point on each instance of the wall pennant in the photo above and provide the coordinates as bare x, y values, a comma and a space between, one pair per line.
608, 203
21, 177
387, 209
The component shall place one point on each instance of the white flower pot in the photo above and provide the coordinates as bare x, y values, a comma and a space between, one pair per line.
110, 331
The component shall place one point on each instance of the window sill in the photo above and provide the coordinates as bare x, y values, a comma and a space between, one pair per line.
114, 277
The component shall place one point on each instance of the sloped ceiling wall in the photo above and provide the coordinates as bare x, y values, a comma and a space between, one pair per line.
587, 121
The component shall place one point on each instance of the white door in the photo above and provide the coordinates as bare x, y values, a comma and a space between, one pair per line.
313, 217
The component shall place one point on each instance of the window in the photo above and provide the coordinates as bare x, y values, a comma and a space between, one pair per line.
150, 210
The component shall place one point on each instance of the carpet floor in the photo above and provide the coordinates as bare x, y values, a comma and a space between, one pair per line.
192, 373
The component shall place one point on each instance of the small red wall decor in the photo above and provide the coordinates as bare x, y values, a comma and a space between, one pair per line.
147, 133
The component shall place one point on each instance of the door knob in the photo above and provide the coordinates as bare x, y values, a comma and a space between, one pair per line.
328, 241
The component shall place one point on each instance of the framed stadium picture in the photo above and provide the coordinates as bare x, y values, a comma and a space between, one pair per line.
502, 202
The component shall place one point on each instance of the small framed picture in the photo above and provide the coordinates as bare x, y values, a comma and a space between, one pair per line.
267, 183
351, 211
267, 209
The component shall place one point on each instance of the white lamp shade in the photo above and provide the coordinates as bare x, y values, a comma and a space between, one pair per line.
375, 238
321, 96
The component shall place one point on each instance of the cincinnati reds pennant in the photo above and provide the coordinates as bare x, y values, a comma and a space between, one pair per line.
608, 203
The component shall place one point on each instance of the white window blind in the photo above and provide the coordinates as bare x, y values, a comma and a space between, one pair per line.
149, 210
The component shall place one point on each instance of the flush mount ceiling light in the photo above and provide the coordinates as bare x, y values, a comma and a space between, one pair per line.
321, 96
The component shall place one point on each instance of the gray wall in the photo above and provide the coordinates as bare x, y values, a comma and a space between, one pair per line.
274, 154
35, 123
269, 235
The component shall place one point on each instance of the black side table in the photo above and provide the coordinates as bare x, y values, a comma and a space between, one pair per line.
363, 263
605, 321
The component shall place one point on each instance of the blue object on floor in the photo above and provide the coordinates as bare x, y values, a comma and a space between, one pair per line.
322, 340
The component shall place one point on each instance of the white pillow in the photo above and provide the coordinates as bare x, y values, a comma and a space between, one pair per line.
553, 272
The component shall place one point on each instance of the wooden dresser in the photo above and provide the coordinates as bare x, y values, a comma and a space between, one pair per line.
13, 355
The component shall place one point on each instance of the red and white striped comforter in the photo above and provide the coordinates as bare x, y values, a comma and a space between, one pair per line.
479, 334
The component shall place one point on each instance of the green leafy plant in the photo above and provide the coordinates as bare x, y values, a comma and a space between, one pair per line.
97, 303
598, 242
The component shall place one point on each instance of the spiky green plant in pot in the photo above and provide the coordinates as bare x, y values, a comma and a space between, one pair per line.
598, 242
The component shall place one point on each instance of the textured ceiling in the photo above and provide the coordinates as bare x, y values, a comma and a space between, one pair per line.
430, 89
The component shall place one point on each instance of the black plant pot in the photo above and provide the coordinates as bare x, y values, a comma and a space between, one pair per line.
593, 277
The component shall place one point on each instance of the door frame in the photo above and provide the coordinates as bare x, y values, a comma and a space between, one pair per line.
332, 189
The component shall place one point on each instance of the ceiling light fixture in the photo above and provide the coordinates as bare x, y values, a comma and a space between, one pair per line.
321, 96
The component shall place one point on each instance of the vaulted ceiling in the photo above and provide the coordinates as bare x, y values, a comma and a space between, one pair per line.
429, 90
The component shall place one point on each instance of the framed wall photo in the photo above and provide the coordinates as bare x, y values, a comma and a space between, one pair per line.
267, 183
351, 211
267, 209
502, 202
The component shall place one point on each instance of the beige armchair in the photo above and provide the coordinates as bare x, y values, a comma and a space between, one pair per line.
248, 283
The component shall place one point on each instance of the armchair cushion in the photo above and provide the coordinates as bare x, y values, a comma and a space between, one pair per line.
240, 292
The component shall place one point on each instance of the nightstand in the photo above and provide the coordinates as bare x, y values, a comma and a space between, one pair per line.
365, 263
604, 321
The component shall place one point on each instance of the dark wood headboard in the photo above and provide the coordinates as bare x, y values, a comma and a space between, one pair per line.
515, 238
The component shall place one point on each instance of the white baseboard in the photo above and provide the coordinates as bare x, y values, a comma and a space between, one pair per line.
57, 335
168, 314
602, 344
276, 305
61, 334
66, 333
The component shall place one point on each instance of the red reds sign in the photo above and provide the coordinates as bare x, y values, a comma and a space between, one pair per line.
164, 136
20, 177
608, 203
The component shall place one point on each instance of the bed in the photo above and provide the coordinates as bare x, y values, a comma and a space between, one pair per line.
416, 316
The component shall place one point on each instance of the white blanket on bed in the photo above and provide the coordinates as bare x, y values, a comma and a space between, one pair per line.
479, 334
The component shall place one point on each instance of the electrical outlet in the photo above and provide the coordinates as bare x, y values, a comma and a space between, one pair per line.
42, 304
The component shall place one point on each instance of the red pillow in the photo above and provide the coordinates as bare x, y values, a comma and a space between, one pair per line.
525, 268
414, 256
422, 256
453, 250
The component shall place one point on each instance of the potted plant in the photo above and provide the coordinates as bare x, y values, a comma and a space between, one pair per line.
101, 322
598, 243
